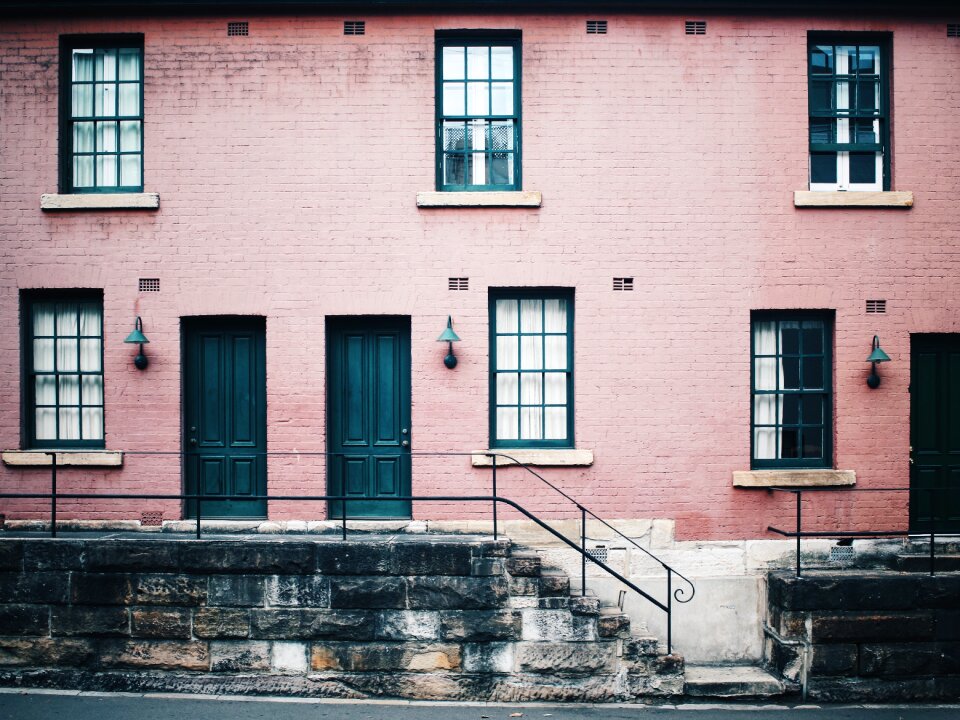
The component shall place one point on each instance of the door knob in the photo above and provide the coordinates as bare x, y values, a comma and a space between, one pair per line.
405, 431
193, 441
405, 443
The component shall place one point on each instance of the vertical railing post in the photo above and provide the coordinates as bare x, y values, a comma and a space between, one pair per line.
669, 611
799, 525
494, 456
583, 551
932, 502
53, 494
343, 518
198, 510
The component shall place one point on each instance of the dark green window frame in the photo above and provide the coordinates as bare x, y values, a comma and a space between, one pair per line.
29, 302
865, 121
543, 294
796, 361
459, 147
109, 144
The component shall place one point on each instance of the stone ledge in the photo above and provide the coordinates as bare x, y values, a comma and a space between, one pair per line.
819, 198
793, 478
100, 201
84, 458
560, 457
518, 198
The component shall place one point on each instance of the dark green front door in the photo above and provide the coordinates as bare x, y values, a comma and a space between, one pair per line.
935, 432
368, 415
224, 418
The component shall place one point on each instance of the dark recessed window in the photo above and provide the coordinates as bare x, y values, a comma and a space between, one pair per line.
101, 114
478, 112
63, 369
791, 404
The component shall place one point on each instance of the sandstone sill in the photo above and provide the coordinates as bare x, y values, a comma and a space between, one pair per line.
793, 478
100, 201
823, 199
527, 456
519, 198
80, 458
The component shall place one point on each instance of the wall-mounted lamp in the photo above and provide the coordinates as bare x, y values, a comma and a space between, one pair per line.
138, 338
450, 337
876, 356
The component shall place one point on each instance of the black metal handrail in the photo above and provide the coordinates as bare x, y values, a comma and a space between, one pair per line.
493, 499
799, 532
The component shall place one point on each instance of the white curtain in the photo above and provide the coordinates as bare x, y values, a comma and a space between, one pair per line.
768, 375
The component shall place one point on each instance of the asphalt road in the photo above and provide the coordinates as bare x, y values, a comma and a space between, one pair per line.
73, 706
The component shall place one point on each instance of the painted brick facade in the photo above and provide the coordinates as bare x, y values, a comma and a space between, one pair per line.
288, 161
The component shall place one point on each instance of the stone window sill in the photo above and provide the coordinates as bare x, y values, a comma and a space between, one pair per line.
519, 198
532, 456
100, 201
65, 458
826, 199
793, 478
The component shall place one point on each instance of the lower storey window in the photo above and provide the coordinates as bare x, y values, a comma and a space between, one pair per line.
64, 370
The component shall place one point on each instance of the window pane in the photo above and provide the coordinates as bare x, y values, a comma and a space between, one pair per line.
765, 443
69, 425
500, 169
83, 65
821, 60
868, 96
813, 373
43, 355
106, 136
765, 374
789, 337
823, 168
66, 355
130, 136
92, 423
83, 137
478, 98
531, 352
507, 312
106, 170
765, 338
821, 95
555, 315
507, 352
868, 62
789, 410
531, 315
507, 423
453, 99
502, 62
555, 388
790, 373
531, 423
812, 409
67, 318
454, 135
105, 65
556, 423
129, 64
812, 443
453, 63
43, 319
69, 388
453, 170
92, 389
507, 384
789, 443
765, 409
104, 100
45, 392
82, 100
90, 319
130, 170
812, 337
83, 171
478, 63
823, 131
502, 98
501, 135
556, 346
863, 168
46, 424
846, 59
531, 389
90, 355
130, 99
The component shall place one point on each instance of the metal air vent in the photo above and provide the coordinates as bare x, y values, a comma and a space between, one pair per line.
598, 552
596, 27
238, 28
953, 30
876, 306
149, 285
151, 518
695, 27
623, 283
458, 283
354, 27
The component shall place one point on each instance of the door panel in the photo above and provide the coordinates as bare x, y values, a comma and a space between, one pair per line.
225, 433
935, 433
368, 415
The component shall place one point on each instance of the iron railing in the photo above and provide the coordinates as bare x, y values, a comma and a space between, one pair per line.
799, 532
682, 594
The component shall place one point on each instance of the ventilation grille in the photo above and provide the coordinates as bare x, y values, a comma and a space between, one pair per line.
695, 27
596, 27
354, 27
598, 553
458, 283
841, 554
238, 28
151, 518
876, 306
953, 30
624, 284
149, 284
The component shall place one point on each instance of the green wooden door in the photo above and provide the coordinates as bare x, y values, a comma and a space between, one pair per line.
935, 432
368, 415
224, 415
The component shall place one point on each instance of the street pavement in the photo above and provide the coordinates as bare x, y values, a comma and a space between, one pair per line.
55, 705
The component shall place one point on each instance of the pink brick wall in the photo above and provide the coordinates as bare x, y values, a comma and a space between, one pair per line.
287, 163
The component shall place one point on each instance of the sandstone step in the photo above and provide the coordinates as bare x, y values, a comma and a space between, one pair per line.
921, 563
731, 681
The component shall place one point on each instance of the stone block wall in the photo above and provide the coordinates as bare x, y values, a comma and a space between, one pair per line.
866, 636
424, 618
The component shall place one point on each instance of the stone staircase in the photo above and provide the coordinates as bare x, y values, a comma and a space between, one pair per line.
916, 556
419, 617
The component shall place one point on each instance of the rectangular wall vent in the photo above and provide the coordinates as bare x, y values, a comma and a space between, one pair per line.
458, 283
596, 27
354, 27
953, 30
695, 27
598, 552
841, 554
623, 283
151, 518
149, 285
238, 28
876, 306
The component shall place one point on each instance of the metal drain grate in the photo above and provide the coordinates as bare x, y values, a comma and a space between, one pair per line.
695, 27
149, 285
238, 28
458, 283
623, 284
876, 306
354, 27
596, 27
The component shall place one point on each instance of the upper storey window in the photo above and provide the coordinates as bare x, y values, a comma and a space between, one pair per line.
849, 104
478, 112
102, 114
